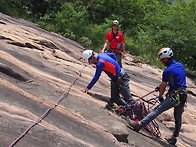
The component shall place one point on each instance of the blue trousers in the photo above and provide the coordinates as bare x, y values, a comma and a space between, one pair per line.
165, 105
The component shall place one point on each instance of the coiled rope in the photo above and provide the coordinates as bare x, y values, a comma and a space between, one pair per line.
64, 95
137, 111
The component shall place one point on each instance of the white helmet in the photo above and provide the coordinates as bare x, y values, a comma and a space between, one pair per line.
115, 22
165, 53
87, 54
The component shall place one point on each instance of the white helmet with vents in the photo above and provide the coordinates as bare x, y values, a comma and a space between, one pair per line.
165, 53
87, 54
115, 22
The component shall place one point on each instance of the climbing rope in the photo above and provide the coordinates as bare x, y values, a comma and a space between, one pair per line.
147, 101
137, 111
64, 95
152, 128
191, 87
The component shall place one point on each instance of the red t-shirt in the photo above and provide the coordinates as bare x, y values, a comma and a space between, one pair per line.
118, 39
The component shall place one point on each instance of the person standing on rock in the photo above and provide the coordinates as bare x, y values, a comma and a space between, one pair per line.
116, 41
174, 76
119, 78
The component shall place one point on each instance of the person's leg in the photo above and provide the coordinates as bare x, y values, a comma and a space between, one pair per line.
125, 89
110, 105
115, 97
165, 105
178, 110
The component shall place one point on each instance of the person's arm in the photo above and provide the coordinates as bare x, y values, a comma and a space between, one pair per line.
104, 46
99, 69
112, 55
162, 88
123, 49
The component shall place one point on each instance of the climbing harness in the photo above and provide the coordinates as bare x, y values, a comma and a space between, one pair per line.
64, 95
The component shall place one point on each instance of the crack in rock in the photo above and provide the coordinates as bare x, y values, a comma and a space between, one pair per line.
8, 71
121, 137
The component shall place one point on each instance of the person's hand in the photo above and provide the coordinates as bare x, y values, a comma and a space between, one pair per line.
160, 98
85, 90
102, 51
123, 55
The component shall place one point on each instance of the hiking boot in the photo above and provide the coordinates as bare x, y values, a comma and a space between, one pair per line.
134, 124
171, 140
110, 106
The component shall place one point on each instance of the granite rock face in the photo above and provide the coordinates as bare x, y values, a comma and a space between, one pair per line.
41, 76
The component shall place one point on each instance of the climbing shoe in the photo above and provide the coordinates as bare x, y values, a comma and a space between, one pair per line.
134, 124
171, 140
110, 106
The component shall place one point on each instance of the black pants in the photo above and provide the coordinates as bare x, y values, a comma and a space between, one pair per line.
178, 110
119, 58
121, 86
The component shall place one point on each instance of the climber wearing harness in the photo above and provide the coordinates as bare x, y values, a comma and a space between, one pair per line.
119, 78
174, 76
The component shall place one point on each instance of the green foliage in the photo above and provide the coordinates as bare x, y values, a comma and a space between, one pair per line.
170, 26
147, 25
97, 34
4, 7
71, 21
16, 8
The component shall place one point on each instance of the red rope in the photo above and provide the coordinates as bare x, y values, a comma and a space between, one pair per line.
64, 95
142, 98
137, 111
190, 87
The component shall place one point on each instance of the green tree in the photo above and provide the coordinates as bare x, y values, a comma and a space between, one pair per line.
147, 25
16, 8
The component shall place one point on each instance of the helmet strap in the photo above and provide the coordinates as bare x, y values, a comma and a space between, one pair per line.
166, 62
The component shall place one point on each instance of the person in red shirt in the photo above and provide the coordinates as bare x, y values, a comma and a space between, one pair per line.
116, 41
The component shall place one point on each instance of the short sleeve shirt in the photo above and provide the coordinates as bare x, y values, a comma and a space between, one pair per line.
118, 39
175, 75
